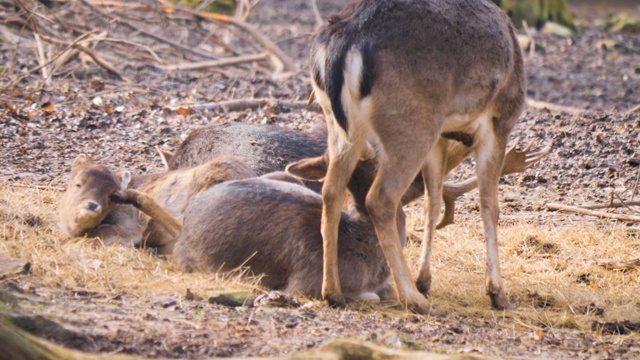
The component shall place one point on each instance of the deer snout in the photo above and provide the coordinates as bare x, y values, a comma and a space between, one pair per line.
93, 206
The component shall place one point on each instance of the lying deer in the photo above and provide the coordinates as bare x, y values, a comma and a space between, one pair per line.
267, 149
403, 77
272, 227
90, 207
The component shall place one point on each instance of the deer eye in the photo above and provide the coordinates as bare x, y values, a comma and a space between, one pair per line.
78, 185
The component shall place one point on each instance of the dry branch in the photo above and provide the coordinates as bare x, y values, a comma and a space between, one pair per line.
620, 265
532, 42
52, 59
216, 63
248, 28
316, 14
583, 211
149, 34
271, 47
554, 107
245, 104
611, 205
92, 54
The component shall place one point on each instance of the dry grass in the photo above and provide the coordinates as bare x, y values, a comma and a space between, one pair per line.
29, 231
550, 272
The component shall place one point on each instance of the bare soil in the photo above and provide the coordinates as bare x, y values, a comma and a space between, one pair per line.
85, 109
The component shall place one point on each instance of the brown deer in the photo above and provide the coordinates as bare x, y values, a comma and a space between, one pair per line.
272, 227
403, 77
267, 149
90, 205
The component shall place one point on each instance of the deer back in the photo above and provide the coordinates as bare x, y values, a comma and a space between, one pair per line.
273, 228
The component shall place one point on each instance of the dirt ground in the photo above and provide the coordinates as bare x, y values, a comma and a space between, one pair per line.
595, 157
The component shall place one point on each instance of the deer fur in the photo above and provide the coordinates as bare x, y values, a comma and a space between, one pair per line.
96, 202
272, 228
267, 149
406, 78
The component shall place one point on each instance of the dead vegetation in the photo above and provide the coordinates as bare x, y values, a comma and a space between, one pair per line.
567, 273
121, 298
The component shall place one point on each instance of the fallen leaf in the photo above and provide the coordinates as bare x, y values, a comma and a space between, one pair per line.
184, 111
97, 84
539, 334
49, 108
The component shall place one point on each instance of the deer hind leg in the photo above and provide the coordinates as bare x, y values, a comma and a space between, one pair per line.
392, 179
489, 157
433, 172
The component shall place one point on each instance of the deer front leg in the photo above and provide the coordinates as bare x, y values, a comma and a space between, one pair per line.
433, 173
150, 207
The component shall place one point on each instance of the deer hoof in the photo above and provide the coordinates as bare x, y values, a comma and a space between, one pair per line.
499, 301
423, 286
421, 307
335, 302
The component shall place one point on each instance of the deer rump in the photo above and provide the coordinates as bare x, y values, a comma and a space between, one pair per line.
272, 227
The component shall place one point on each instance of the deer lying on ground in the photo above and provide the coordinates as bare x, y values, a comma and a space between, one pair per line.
403, 77
267, 149
272, 227
90, 207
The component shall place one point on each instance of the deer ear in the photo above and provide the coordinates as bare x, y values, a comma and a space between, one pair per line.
309, 169
81, 160
125, 178
166, 157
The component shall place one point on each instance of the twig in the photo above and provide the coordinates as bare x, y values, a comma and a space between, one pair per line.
39, 187
149, 34
101, 61
316, 13
554, 107
52, 59
7, 36
39, 48
148, 49
41, 57
532, 42
622, 265
263, 40
583, 211
625, 204
635, 186
94, 56
611, 205
215, 63
245, 104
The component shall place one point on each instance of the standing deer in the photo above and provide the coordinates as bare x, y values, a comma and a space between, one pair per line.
91, 204
404, 76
